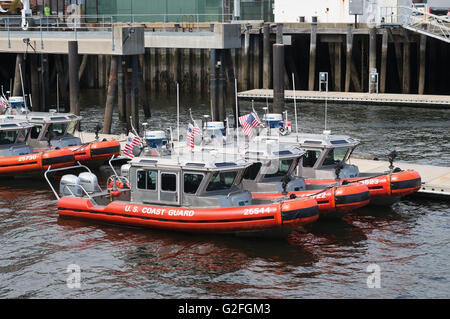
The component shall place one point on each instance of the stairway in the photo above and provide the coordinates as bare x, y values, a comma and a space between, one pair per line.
422, 22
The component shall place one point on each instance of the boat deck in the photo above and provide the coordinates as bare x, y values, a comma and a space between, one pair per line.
435, 179
441, 101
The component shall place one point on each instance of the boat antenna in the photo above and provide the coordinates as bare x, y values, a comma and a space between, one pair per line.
178, 112
295, 106
132, 127
237, 110
57, 92
23, 88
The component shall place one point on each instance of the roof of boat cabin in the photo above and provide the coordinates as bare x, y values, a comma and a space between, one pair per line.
315, 140
260, 151
200, 161
46, 117
12, 125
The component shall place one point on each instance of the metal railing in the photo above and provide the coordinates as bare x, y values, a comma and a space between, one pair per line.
416, 20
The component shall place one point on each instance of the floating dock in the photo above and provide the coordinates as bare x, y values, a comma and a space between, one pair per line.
435, 179
441, 101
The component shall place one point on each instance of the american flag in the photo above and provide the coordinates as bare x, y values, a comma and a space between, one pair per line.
132, 141
3, 103
192, 132
248, 122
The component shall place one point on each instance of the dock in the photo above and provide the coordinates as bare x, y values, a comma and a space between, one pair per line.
418, 100
435, 179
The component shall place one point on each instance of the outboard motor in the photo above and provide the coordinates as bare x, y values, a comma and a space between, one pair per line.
70, 186
157, 143
89, 182
215, 133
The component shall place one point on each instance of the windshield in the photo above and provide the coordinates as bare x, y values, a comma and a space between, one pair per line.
10, 137
221, 181
310, 158
335, 156
56, 130
283, 168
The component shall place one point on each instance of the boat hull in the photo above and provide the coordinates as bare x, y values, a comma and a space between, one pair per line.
36, 162
331, 201
285, 215
384, 189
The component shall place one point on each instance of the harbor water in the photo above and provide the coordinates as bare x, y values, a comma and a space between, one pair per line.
409, 243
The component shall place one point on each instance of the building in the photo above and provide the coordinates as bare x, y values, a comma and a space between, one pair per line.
164, 10
334, 11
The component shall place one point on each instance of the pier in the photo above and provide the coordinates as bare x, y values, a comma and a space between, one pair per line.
437, 101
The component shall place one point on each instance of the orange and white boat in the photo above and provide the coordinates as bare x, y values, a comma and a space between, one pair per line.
183, 192
51, 131
325, 163
17, 158
271, 175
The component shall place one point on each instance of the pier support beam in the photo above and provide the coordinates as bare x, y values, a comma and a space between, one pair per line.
406, 68
384, 53
34, 78
17, 88
312, 57
135, 92
213, 84
372, 49
422, 63
110, 98
74, 83
121, 88
338, 66
278, 78
267, 75
348, 57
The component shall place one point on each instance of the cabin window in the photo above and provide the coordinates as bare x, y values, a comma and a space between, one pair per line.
8, 137
168, 182
252, 171
283, 168
221, 181
310, 158
192, 182
36, 131
147, 180
335, 156
56, 129
22, 136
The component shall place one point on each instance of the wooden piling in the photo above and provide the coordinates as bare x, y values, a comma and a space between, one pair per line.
101, 71
266, 57
278, 78
34, 78
348, 57
384, 53
221, 86
120, 88
74, 83
338, 66
406, 68
135, 92
112, 87
143, 96
17, 87
256, 61
312, 58
213, 84
372, 49
422, 63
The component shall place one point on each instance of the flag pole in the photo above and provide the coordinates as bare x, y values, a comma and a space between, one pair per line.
295, 106
237, 111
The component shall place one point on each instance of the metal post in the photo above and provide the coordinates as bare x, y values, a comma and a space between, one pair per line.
112, 33
323, 78
9, 35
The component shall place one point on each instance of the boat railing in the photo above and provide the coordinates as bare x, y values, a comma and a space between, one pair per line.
50, 170
69, 186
